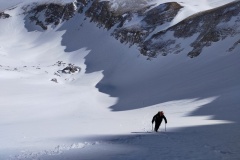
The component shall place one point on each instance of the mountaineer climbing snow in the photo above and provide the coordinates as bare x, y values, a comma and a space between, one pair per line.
158, 120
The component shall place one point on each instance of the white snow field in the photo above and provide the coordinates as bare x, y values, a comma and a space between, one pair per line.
105, 110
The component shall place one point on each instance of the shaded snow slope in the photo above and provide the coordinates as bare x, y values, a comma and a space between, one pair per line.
105, 110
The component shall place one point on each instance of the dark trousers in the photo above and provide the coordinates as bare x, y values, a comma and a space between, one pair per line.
157, 125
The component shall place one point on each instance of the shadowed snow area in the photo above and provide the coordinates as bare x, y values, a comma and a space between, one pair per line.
105, 110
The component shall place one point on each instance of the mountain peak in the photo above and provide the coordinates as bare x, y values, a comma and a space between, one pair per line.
149, 26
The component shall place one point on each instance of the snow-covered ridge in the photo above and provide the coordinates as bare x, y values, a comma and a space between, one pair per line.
207, 27
145, 26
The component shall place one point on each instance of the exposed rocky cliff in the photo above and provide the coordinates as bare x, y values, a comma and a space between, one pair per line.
138, 26
149, 21
49, 13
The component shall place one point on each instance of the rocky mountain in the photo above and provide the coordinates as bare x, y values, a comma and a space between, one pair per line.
138, 25
209, 27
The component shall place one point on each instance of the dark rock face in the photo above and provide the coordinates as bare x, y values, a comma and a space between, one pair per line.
70, 69
210, 26
138, 26
81, 4
52, 13
151, 19
100, 13
4, 15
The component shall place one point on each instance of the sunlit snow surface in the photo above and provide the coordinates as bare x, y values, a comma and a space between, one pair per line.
38, 116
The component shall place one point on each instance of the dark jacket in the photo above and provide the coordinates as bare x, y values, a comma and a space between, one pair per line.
158, 118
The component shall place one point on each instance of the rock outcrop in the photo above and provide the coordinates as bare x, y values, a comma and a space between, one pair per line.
4, 15
50, 14
210, 26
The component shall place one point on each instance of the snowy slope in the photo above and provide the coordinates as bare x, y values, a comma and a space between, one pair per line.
71, 119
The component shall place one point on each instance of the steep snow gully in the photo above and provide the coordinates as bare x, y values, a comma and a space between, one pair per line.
104, 110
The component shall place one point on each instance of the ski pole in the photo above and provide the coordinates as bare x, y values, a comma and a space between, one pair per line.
152, 127
165, 128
